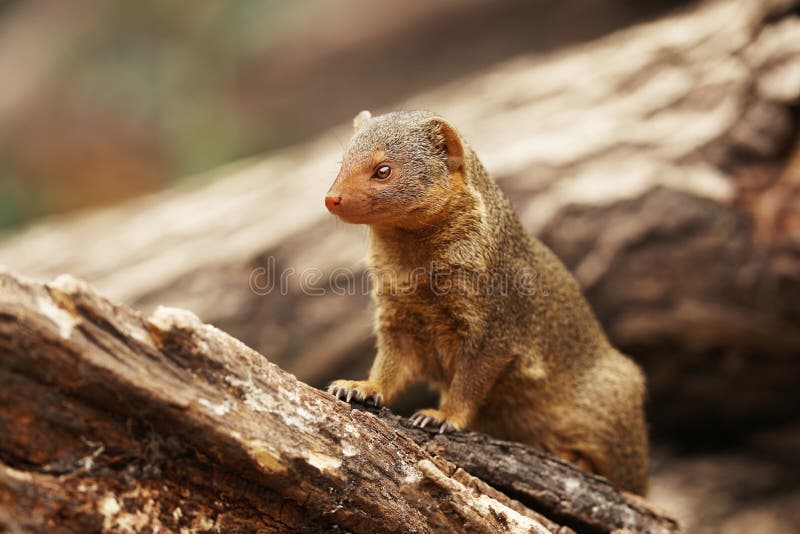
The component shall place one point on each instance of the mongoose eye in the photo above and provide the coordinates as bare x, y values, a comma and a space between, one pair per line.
382, 172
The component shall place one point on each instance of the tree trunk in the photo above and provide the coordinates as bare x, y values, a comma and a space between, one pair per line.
119, 422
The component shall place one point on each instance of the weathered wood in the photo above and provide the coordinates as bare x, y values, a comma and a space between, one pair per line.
654, 162
544, 483
113, 421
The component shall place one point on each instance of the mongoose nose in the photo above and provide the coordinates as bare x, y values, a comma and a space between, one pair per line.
333, 202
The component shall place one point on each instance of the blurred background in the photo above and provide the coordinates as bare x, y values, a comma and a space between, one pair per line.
166, 151
104, 100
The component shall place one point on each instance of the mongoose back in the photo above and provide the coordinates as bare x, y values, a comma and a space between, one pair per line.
467, 301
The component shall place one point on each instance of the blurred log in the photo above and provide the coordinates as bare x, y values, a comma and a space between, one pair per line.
654, 161
752, 487
115, 421
276, 87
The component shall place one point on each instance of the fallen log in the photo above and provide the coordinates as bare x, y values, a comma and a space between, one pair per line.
115, 421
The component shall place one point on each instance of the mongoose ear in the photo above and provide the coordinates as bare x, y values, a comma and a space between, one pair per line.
449, 141
360, 119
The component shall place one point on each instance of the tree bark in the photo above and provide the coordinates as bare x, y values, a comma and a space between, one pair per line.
659, 162
118, 422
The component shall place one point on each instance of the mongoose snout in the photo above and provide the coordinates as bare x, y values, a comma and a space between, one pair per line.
333, 202
351, 196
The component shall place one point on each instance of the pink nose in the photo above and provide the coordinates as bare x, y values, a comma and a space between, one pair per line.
333, 202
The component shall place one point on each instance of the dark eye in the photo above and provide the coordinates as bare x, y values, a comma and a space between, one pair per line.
382, 172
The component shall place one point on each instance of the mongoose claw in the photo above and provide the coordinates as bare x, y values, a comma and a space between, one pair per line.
337, 392
352, 391
421, 420
434, 418
447, 427
375, 399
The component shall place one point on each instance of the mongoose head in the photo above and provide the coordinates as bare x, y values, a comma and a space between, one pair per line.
400, 170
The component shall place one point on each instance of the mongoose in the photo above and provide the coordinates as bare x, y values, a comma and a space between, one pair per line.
467, 301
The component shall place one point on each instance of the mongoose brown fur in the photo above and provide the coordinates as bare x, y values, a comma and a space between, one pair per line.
467, 301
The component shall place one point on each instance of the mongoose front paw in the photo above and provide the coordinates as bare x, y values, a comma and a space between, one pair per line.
356, 390
423, 418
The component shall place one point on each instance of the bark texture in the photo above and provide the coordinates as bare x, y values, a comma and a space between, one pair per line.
114, 421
